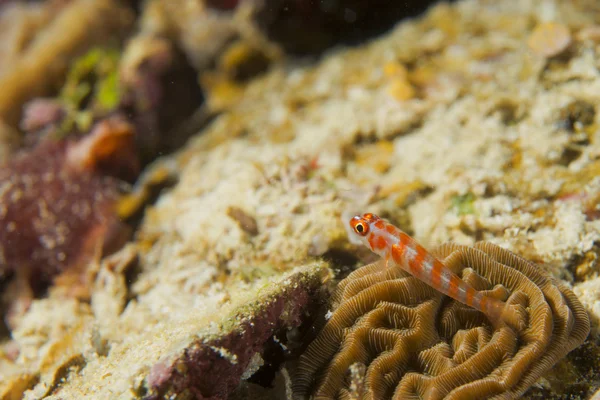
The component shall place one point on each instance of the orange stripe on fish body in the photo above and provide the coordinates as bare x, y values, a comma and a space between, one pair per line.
398, 253
453, 287
372, 238
483, 304
470, 296
401, 248
436, 273
416, 264
381, 243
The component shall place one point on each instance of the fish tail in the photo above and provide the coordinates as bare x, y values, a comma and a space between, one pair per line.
512, 313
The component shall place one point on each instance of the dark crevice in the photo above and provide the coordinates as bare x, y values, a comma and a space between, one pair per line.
509, 112
366, 138
576, 116
273, 356
585, 266
569, 155
340, 258
326, 23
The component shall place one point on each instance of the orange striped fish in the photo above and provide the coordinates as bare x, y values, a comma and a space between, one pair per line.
395, 246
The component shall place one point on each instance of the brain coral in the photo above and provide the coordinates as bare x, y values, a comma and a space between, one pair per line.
392, 336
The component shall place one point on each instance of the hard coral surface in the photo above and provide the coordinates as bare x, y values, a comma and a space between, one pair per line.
413, 343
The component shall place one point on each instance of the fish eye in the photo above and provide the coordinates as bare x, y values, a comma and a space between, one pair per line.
361, 228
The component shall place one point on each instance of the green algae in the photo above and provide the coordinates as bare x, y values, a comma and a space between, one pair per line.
463, 204
92, 88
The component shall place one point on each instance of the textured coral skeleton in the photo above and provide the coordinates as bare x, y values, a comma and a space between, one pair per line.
412, 342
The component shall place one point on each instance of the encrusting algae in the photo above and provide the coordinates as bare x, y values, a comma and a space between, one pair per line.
415, 343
